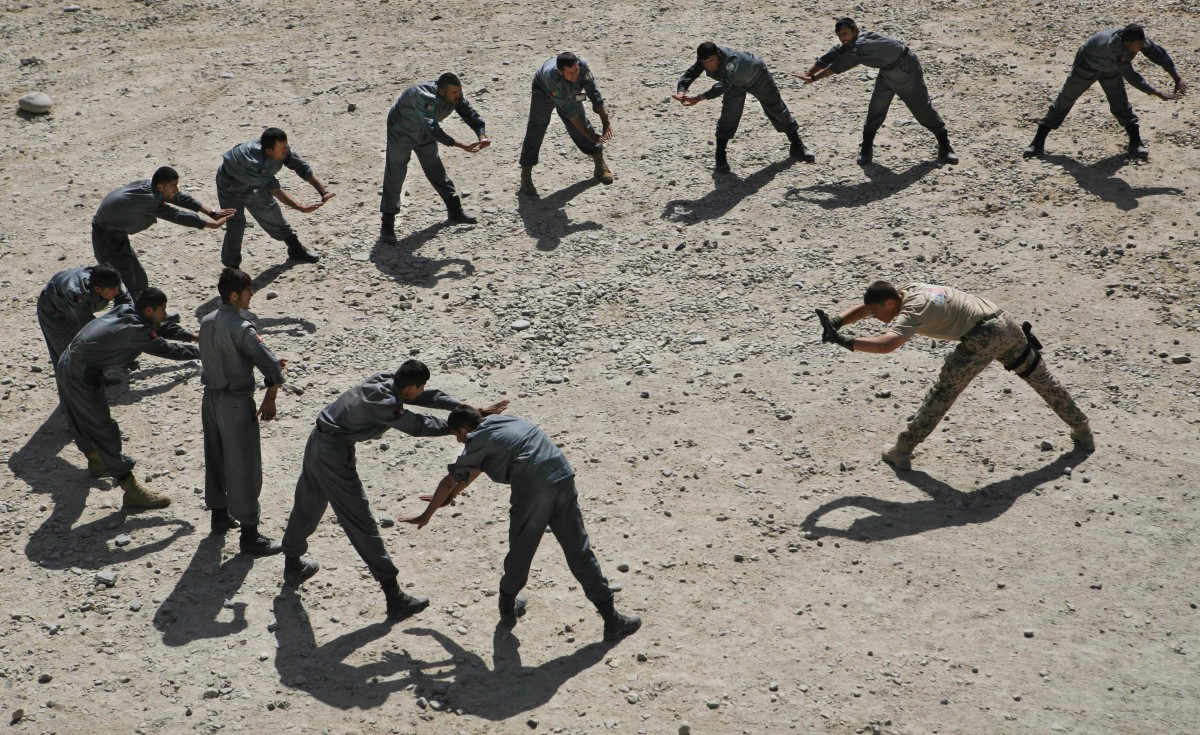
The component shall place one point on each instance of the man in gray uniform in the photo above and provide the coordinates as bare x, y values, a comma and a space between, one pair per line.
108, 342
1107, 57
230, 348
413, 126
739, 73
985, 333
136, 206
900, 74
562, 84
516, 452
71, 299
246, 181
330, 477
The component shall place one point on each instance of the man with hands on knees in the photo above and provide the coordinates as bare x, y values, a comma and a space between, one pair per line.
984, 332
516, 452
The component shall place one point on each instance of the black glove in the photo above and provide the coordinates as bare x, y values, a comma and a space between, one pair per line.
829, 330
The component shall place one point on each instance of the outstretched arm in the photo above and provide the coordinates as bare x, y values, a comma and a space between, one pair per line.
447, 490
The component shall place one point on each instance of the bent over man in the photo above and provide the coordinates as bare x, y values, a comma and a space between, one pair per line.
516, 452
739, 73
1107, 57
413, 126
900, 74
984, 332
70, 301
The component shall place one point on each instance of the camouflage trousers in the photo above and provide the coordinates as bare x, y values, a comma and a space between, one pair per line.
1002, 340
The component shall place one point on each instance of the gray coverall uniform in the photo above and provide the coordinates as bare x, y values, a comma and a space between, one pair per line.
110, 341
899, 74
413, 126
230, 347
513, 451
127, 211
67, 304
245, 181
738, 74
329, 476
1104, 58
551, 91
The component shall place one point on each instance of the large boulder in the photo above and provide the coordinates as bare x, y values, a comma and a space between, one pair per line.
38, 103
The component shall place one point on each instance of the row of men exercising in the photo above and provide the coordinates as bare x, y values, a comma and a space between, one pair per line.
246, 179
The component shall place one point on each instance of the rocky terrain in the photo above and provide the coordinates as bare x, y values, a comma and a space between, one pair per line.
661, 330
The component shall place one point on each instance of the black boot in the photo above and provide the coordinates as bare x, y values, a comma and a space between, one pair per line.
722, 163
296, 251
945, 152
254, 543
866, 152
387, 228
511, 608
400, 605
1038, 147
296, 570
798, 150
1136, 146
617, 625
221, 522
456, 213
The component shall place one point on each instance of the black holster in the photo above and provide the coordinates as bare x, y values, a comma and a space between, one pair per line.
1032, 344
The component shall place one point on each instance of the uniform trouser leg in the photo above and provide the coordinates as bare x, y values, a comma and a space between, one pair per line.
567, 524
1041, 379
1118, 100
235, 227
91, 423
330, 478
767, 94
529, 513
732, 104
394, 172
266, 212
57, 336
112, 247
586, 146
974, 353
911, 89
435, 170
1072, 89
232, 455
877, 110
540, 107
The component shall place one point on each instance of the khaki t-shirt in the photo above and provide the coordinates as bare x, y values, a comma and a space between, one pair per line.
939, 312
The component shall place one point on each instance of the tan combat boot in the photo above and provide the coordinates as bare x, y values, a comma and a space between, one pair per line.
96, 466
602, 171
899, 455
527, 187
139, 497
1082, 439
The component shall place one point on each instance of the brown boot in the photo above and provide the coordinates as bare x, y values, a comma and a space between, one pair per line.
139, 497
527, 187
602, 171
899, 455
96, 466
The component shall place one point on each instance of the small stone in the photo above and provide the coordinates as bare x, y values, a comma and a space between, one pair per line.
226, 75
632, 698
106, 577
72, 9
351, 107
773, 686
685, 728
1029, 632
1181, 359
712, 704
386, 521
180, 451
122, 540
697, 341
554, 379
520, 325
272, 295
30, 61
645, 394
641, 658
422, 702
667, 471
211, 693
622, 567
44, 678
532, 722
883, 394
37, 103
17, 716
1046, 445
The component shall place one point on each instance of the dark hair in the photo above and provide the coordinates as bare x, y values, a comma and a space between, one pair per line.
464, 417
164, 175
707, 50
104, 276
232, 281
566, 59
271, 136
1133, 32
845, 23
879, 292
412, 372
449, 79
150, 298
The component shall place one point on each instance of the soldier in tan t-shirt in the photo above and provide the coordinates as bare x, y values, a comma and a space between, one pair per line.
984, 333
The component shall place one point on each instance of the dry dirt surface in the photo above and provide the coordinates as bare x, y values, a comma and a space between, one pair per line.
728, 462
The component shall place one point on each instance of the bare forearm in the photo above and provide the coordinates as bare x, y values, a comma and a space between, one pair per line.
855, 314
286, 199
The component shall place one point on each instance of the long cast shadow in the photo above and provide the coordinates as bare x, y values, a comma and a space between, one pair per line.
190, 613
401, 261
945, 508
883, 183
58, 543
261, 281
546, 219
729, 191
1100, 179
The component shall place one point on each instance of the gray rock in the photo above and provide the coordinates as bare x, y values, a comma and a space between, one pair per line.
122, 540
1047, 445
30, 61
272, 295
211, 693
106, 577
554, 379
386, 521
685, 728
519, 325
37, 103
1181, 359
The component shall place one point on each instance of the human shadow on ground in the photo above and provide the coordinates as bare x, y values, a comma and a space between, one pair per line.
728, 191
58, 543
400, 259
1100, 180
127, 393
945, 508
460, 681
546, 219
190, 613
884, 182
261, 281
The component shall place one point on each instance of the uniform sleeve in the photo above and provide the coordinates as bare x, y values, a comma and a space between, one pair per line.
159, 347
253, 347
179, 216
173, 331
297, 164
1136, 80
830, 56
426, 115
590, 88
81, 309
418, 424
471, 459
434, 398
844, 61
470, 116
187, 201
1159, 55
691, 74
904, 325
